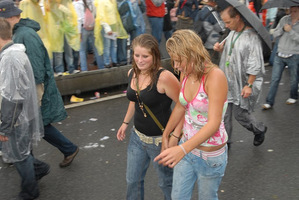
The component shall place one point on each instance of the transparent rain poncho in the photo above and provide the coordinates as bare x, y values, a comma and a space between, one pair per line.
107, 14
246, 58
20, 117
61, 18
31, 9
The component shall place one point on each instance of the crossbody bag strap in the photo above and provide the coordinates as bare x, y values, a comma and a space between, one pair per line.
148, 109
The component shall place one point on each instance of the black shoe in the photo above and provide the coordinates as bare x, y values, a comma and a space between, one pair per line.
259, 138
115, 65
107, 66
46, 172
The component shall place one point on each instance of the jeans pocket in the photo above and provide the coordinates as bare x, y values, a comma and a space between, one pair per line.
217, 161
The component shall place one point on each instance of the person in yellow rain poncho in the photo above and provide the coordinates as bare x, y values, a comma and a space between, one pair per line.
31, 9
108, 27
63, 33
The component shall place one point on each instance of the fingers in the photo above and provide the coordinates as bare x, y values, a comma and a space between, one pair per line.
121, 136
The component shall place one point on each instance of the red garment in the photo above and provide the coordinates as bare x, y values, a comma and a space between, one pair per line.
153, 11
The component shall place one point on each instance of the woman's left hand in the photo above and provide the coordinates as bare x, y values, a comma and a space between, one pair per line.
170, 157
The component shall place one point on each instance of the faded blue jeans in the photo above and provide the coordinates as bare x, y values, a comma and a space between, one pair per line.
58, 59
86, 35
139, 157
208, 174
157, 27
277, 69
109, 50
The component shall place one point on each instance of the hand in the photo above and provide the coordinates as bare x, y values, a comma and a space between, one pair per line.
218, 46
287, 27
3, 138
246, 92
121, 133
170, 157
110, 33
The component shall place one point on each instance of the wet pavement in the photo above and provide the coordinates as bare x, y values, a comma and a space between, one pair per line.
267, 172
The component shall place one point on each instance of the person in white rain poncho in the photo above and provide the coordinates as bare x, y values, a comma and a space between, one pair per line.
21, 125
243, 64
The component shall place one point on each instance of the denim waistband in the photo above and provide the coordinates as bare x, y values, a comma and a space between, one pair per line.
148, 139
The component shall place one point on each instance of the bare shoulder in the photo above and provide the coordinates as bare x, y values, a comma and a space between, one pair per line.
216, 78
214, 74
130, 70
166, 76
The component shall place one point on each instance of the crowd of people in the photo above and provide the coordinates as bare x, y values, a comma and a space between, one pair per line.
220, 76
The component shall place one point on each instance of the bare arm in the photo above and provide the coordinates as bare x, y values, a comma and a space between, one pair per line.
169, 84
121, 133
216, 87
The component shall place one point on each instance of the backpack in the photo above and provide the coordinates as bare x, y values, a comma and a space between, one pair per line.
125, 11
198, 25
89, 20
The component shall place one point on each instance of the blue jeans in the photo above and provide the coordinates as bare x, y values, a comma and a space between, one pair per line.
122, 51
278, 67
57, 139
273, 53
109, 50
157, 27
86, 37
139, 157
122, 56
208, 174
28, 169
58, 59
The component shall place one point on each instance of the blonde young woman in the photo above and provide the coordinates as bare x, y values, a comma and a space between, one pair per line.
202, 151
158, 88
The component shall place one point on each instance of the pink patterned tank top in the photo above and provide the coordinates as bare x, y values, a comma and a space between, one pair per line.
196, 116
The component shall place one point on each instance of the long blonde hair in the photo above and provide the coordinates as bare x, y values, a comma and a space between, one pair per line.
188, 45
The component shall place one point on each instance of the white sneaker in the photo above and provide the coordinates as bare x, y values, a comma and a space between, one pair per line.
59, 74
76, 71
291, 101
266, 106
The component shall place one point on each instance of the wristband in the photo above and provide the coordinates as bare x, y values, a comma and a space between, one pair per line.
183, 149
126, 123
249, 85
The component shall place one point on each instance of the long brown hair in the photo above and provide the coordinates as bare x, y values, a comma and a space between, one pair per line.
187, 44
149, 42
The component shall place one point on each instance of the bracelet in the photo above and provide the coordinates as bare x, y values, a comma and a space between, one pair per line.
126, 123
183, 149
177, 137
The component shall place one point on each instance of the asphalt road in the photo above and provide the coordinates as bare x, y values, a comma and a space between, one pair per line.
268, 172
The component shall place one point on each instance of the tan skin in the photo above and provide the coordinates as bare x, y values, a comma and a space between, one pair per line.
167, 84
216, 88
235, 24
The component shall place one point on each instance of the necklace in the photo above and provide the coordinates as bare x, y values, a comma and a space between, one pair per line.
140, 103
232, 45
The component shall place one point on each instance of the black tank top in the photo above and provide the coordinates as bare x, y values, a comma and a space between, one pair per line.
159, 104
